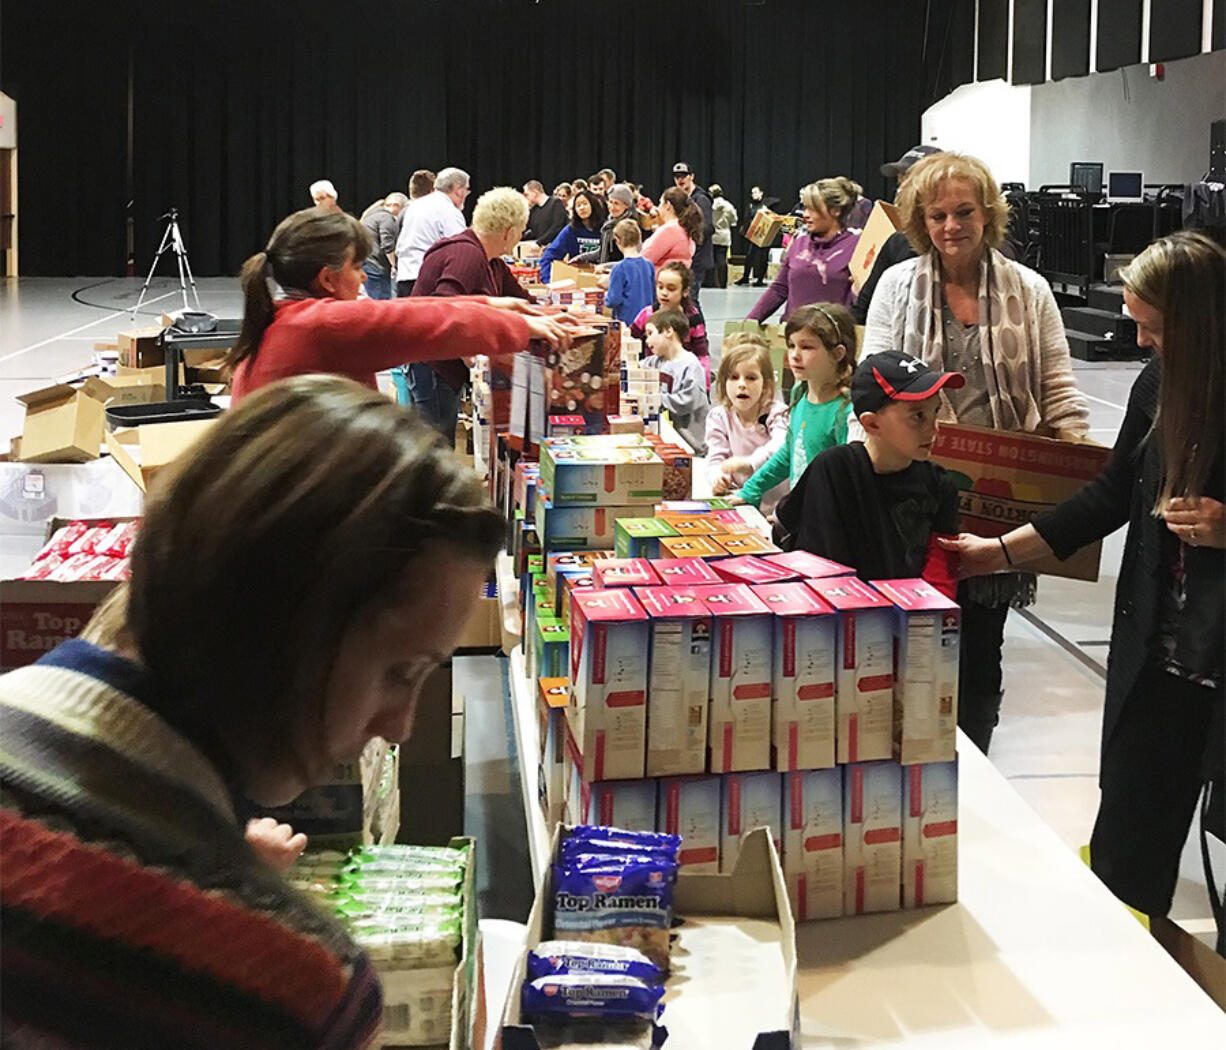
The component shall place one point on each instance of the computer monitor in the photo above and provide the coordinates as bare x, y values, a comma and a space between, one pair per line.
1125, 187
1086, 175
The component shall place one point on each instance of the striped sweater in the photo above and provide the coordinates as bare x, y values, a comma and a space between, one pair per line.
134, 913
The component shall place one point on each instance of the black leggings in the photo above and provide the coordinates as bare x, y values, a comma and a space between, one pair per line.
979, 670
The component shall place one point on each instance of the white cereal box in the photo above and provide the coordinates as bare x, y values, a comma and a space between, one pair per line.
749, 800
872, 833
689, 807
742, 633
864, 691
813, 842
930, 834
608, 661
803, 678
927, 627
613, 803
678, 683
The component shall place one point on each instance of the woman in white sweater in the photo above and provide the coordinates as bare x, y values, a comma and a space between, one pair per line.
961, 306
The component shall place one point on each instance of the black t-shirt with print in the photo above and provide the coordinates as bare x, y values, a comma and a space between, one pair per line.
878, 524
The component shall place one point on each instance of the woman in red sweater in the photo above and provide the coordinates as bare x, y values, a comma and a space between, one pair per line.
301, 312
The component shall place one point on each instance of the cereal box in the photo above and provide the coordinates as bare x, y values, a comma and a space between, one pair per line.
685, 572
625, 572
608, 661
927, 627
808, 566
613, 803
564, 426
571, 528
582, 379
553, 694
872, 833
608, 476
803, 677
813, 842
749, 800
689, 807
690, 547
747, 543
678, 682
864, 692
746, 568
640, 537
572, 561
930, 834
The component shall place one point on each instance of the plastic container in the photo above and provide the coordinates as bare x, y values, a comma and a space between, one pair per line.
160, 412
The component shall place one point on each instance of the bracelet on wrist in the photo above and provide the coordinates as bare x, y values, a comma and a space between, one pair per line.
1005, 551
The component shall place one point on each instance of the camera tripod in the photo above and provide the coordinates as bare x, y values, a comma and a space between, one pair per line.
172, 240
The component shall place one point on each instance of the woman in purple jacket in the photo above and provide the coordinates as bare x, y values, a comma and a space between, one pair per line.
815, 266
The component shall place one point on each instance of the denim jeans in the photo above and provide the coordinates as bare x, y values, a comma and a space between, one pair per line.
378, 285
435, 401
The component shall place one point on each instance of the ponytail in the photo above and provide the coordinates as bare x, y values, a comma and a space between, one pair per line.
302, 244
837, 196
688, 213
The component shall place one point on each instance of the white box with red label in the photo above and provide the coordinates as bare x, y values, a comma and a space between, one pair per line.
813, 842
608, 661
678, 681
872, 834
742, 639
927, 628
684, 572
803, 678
930, 834
864, 691
689, 807
806, 566
749, 800
612, 803
624, 572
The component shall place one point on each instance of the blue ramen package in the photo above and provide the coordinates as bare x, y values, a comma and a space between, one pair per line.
602, 997
561, 958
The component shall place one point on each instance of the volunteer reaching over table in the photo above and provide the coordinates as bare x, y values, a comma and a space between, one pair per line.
1163, 728
295, 580
302, 314
961, 306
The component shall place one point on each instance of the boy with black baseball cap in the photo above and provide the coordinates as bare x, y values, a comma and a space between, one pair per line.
879, 506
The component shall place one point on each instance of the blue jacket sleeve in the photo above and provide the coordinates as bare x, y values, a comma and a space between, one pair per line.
615, 295
564, 245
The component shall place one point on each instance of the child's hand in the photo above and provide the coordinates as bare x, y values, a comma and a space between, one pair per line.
276, 844
602, 282
977, 555
735, 465
737, 501
723, 485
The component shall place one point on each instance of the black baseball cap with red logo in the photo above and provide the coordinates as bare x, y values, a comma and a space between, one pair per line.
895, 376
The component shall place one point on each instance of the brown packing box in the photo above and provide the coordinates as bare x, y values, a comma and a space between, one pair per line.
583, 278
764, 228
143, 451
141, 347
733, 980
142, 389
883, 220
37, 615
1006, 480
63, 424
155, 373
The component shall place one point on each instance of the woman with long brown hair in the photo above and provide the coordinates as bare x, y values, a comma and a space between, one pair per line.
302, 314
680, 233
1162, 725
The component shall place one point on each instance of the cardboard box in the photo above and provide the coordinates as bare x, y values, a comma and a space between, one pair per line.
482, 630
747, 543
678, 470
1007, 480
552, 698
640, 537
733, 970
746, 568
872, 834
143, 451
678, 683
813, 842
803, 677
930, 834
608, 672
740, 715
37, 615
736, 521
764, 228
616, 476
564, 426
748, 801
572, 582
626, 425
568, 561
551, 647
928, 629
580, 528
808, 566
864, 690
685, 572
63, 424
583, 277
882, 223
689, 807
624, 572
690, 547
141, 347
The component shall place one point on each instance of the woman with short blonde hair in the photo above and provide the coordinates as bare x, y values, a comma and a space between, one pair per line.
961, 306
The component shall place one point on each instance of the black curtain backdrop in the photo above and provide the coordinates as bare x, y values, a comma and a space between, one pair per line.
1029, 41
237, 108
1119, 34
993, 40
1070, 39
1174, 29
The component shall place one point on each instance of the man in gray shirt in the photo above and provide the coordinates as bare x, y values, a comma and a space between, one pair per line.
383, 221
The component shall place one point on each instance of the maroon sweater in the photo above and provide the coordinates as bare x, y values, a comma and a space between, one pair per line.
458, 265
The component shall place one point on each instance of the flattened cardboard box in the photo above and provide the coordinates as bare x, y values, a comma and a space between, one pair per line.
883, 221
143, 451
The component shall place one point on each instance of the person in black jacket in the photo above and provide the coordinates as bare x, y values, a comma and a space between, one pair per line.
546, 215
704, 252
756, 257
1163, 723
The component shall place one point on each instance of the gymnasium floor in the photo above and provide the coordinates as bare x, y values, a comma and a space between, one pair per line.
1047, 743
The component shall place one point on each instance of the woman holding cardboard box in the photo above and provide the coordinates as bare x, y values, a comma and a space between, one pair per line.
1162, 726
961, 306
302, 314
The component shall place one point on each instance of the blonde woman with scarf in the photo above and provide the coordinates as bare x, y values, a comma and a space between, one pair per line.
961, 306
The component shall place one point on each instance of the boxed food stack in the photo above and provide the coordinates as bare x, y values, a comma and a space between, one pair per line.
930, 834
748, 801
553, 695
872, 834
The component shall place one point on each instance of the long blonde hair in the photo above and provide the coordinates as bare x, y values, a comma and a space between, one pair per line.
1183, 277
